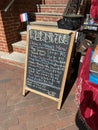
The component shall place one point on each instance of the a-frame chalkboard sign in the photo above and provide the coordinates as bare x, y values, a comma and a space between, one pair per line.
48, 55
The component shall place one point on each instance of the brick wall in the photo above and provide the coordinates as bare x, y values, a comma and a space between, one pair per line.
10, 24
2, 35
3, 4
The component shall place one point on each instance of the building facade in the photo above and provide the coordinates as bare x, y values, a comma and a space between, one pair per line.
10, 24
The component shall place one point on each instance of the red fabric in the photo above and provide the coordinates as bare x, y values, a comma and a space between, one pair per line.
94, 10
88, 95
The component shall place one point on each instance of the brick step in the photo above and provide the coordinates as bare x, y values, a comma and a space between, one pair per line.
23, 35
19, 46
52, 17
39, 23
44, 23
55, 2
57, 8
15, 58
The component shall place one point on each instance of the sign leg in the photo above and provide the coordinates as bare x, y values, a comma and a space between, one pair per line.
59, 105
24, 91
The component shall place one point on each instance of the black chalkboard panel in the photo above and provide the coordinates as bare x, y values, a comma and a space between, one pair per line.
47, 61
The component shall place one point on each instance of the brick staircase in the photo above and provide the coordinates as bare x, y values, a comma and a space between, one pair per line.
47, 15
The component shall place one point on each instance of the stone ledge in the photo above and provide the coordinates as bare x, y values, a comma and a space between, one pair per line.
20, 44
15, 58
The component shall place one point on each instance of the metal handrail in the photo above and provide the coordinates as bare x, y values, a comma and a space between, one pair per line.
9, 5
72, 7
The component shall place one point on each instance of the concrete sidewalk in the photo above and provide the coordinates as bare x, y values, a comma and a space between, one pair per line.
32, 112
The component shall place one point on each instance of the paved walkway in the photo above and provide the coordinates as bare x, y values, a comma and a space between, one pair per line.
32, 112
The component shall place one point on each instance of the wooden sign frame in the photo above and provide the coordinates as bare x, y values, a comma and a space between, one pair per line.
69, 54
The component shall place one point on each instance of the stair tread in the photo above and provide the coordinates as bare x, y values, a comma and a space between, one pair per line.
19, 44
14, 56
44, 23
51, 14
41, 23
23, 32
51, 5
